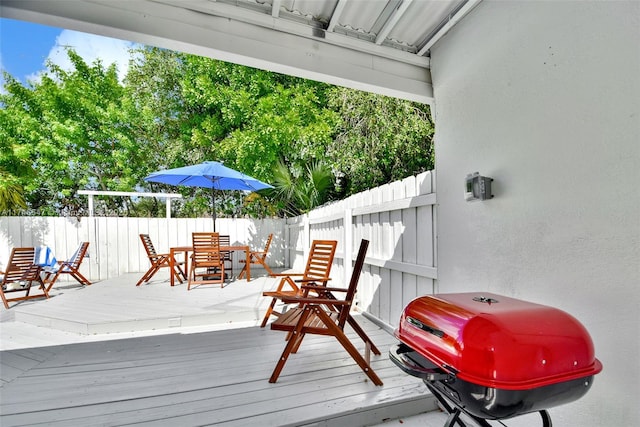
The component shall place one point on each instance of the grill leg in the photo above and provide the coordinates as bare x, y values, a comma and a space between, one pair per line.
454, 413
546, 419
454, 417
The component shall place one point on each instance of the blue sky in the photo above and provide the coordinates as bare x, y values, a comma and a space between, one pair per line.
24, 48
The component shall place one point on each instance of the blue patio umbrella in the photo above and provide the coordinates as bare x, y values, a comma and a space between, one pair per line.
212, 175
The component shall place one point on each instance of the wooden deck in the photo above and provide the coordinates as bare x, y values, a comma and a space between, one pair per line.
174, 376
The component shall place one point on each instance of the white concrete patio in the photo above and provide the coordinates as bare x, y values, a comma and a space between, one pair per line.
116, 354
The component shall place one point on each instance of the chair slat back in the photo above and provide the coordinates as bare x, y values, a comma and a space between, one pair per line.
148, 247
206, 247
19, 265
320, 259
78, 255
266, 247
353, 283
225, 240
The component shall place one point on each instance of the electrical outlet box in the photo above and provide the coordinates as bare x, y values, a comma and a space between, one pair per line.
477, 187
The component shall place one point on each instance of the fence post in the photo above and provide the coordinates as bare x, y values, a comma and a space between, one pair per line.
348, 245
306, 236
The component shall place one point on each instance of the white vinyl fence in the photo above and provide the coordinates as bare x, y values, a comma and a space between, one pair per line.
398, 219
114, 243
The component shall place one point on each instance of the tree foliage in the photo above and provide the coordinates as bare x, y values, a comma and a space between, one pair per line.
379, 139
84, 129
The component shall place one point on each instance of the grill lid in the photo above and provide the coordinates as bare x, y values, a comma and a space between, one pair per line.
497, 341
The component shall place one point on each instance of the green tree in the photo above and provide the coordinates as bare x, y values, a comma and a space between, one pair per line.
379, 140
15, 155
252, 118
75, 127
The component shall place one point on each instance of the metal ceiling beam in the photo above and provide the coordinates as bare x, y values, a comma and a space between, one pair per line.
275, 8
335, 16
392, 21
447, 24
176, 28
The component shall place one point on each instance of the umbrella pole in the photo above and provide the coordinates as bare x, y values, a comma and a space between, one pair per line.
213, 204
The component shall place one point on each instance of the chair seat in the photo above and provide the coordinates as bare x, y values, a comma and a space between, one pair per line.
312, 325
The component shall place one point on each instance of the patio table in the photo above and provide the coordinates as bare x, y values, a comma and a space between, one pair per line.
186, 249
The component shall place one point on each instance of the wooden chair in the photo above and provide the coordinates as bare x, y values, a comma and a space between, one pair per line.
70, 267
227, 257
258, 257
207, 265
21, 275
325, 315
159, 261
316, 272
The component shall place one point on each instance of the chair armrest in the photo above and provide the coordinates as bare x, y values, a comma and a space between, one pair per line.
278, 294
323, 288
321, 279
314, 301
286, 274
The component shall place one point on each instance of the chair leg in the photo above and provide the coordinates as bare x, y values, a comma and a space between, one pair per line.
148, 275
80, 278
243, 271
53, 280
347, 345
4, 300
294, 342
267, 268
268, 313
354, 325
179, 274
192, 277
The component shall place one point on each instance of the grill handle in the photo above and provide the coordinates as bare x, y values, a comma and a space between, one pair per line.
400, 355
426, 328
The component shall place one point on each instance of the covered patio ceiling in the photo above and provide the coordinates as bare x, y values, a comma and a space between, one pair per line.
380, 46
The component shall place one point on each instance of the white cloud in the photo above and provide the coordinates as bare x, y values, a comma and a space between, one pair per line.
90, 47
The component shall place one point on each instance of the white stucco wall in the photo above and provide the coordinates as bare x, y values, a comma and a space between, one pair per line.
545, 98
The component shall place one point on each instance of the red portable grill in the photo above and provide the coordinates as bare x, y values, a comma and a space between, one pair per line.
493, 357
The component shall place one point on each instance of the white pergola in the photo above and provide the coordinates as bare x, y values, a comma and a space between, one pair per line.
91, 193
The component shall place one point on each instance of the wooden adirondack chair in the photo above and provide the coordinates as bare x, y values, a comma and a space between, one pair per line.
316, 273
258, 257
21, 275
207, 264
71, 267
159, 261
326, 314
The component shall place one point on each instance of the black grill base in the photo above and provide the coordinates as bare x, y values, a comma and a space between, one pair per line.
484, 403
455, 411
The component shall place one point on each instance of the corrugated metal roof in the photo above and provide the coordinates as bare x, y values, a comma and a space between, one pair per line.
405, 25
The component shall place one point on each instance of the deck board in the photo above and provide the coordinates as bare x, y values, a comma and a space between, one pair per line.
196, 379
172, 377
